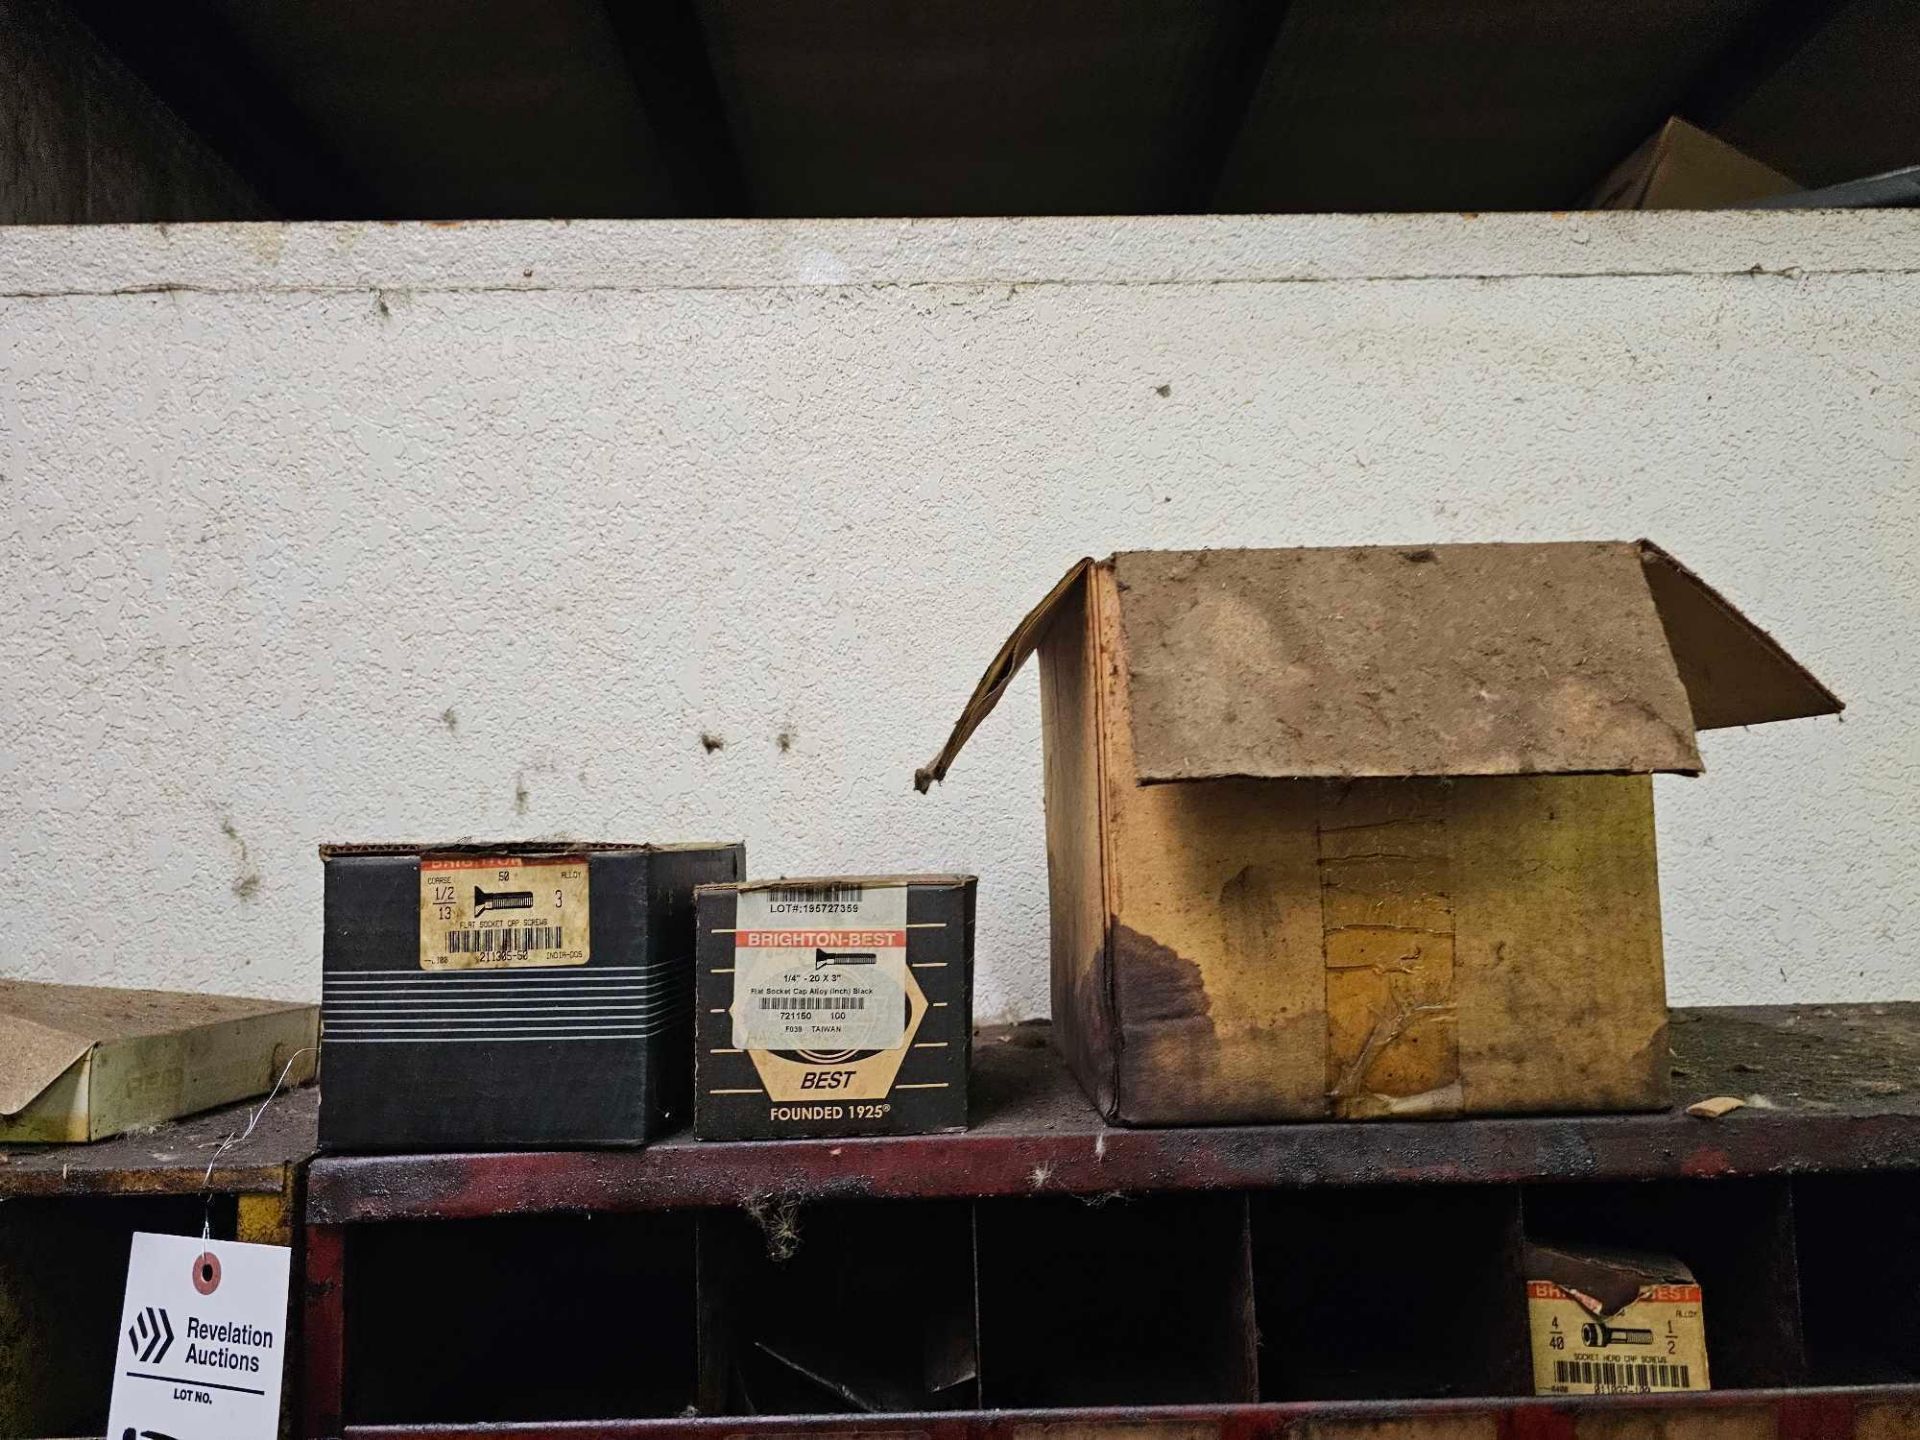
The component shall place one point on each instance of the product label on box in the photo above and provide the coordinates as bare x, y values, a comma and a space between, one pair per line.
496, 912
821, 970
1656, 1343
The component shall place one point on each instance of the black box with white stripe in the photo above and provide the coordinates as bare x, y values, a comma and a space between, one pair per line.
833, 1006
504, 996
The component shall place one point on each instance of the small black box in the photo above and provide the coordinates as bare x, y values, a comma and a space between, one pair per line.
500, 996
834, 1007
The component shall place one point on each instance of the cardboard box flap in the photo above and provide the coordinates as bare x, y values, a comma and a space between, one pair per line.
1577, 657
1682, 167
1610, 1279
45, 1028
1735, 672
32, 1057
1006, 664
1385, 661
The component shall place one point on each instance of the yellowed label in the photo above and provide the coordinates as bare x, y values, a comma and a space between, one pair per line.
499, 912
855, 1075
824, 1002
1656, 1343
821, 971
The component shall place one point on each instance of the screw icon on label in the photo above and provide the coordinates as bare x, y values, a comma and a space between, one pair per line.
823, 958
484, 901
1600, 1335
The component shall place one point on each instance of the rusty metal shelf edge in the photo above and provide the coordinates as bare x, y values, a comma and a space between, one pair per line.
346, 1190
225, 1180
171, 1159
1829, 1414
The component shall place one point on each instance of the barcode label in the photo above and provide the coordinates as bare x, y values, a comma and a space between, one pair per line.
1623, 1374
820, 894
503, 912
504, 942
821, 966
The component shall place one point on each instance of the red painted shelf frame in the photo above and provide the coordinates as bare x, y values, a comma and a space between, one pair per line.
1842, 1097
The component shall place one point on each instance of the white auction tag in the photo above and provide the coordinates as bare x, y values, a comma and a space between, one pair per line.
203, 1334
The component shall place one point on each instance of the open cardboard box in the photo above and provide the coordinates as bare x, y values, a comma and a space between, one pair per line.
1366, 832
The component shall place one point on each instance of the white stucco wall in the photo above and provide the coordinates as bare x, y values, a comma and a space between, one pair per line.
326, 533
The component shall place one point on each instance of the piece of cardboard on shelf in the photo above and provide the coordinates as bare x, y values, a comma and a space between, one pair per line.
84, 1062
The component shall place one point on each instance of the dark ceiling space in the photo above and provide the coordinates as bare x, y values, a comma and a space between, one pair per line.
407, 109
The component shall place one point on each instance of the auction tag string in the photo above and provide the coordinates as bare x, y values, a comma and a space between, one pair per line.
206, 1182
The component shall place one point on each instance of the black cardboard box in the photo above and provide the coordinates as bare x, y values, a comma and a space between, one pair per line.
498, 996
836, 1006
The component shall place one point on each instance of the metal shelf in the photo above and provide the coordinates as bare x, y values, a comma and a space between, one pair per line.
1841, 1086
171, 1159
1826, 1414
67, 1215
1222, 1256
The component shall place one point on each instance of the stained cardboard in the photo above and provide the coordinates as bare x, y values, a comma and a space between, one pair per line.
1360, 833
80, 1062
1385, 947
1571, 658
1454, 660
1005, 665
